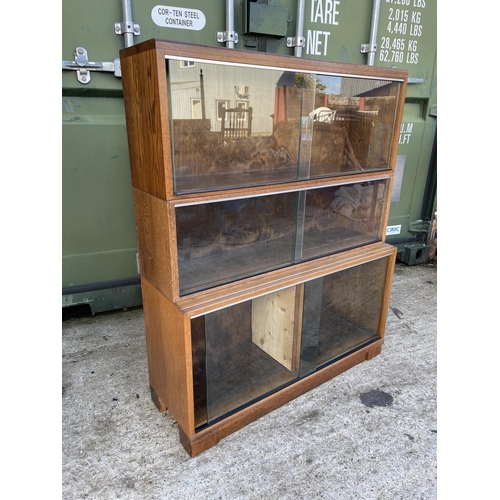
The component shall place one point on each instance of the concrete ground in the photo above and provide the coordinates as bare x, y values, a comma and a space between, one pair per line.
331, 443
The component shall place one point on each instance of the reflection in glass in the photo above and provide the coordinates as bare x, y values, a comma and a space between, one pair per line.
227, 240
222, 241
245, 126
242, 362
338, 218
342, 312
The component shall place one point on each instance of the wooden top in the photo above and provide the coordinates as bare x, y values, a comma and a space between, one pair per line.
237, 56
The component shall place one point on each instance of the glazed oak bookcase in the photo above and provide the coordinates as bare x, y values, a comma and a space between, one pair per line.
261, 189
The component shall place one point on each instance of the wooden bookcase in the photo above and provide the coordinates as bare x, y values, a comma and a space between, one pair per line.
261, 189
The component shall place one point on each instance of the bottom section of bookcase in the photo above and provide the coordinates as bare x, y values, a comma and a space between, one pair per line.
205, 439
221, 359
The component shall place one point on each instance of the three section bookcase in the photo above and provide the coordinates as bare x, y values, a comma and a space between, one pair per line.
261, 189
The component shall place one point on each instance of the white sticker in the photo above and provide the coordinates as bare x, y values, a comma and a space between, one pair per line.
398, 178
178, 17
393, 230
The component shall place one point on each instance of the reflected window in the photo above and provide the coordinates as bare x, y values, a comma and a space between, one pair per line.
220, 106
242, 105
187, 64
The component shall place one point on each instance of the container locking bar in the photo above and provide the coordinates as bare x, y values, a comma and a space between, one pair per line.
123, 28
83, 66
227, 36
295, 41
368, 48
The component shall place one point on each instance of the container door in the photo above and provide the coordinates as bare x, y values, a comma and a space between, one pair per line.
99, 254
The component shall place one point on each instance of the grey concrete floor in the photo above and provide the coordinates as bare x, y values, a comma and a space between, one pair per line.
326, 444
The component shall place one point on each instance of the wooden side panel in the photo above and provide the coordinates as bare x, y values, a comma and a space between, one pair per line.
146, 108
384, 217
168, 345
275, 326
387, 292
156, 243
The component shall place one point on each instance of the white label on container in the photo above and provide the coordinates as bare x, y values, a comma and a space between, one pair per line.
324, 14
393, 230
398, 178
403, 32
178, 17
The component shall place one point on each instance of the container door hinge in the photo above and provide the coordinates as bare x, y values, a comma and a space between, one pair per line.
295, 41
227, 36
83, 66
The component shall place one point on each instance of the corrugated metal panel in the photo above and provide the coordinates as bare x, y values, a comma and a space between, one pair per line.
357, 86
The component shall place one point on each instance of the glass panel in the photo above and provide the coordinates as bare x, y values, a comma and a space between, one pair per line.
232, 142
342, 312
223, 241
244, 352
227, 240
353, 126
250, 351
245, 126
341, 217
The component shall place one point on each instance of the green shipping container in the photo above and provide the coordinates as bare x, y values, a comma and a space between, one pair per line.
99, 251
